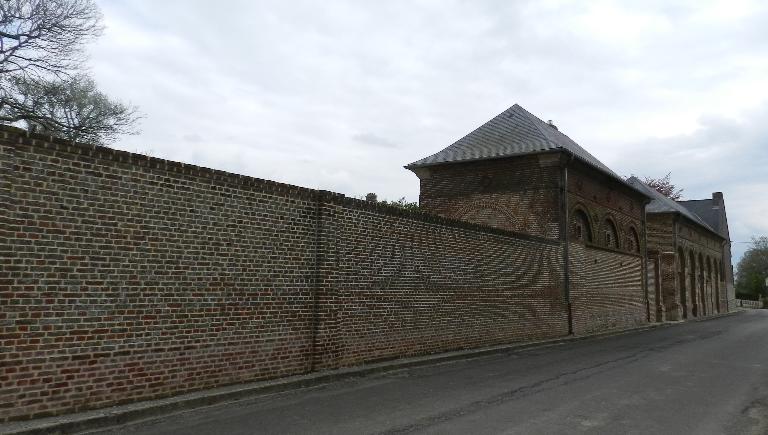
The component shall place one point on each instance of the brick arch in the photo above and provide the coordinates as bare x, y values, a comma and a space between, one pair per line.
717, 275
609, 232
702, 286
633, 240
487, 212
682, 282
580, 225
692, 283
710, 286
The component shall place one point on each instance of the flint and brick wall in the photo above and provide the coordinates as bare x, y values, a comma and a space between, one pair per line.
127, 278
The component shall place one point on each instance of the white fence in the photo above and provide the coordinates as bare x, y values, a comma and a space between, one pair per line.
744, 303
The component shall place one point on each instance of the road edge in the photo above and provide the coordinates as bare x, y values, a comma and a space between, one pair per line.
123, 414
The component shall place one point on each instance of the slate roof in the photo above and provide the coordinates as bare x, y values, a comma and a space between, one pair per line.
513, 132
662, 204
703, 208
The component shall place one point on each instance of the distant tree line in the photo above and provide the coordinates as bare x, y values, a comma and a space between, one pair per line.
752, 271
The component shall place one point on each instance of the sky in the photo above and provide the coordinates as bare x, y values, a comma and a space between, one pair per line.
340, 95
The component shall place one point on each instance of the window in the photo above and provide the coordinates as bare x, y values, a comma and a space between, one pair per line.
610, 234
633, 241
580, 229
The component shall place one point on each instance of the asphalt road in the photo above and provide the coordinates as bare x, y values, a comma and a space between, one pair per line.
708, 377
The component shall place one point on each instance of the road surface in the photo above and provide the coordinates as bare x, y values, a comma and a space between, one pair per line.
708, 377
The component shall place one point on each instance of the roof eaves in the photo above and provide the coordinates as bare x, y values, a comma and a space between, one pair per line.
411, 166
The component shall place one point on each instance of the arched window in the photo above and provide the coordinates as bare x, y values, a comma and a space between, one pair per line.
692, 286
580, 229
702, 285
633, 240
681, 281
610, 234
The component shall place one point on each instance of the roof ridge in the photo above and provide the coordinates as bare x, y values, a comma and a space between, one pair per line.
513, 132
533, 118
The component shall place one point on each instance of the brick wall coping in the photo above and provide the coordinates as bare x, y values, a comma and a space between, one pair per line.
16, 135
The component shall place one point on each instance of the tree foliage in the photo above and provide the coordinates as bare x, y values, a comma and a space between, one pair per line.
72, 108
402, 203
664, 186
752, 270
42, 81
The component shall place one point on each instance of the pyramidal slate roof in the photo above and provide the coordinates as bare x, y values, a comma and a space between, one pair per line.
513, 132
662, 204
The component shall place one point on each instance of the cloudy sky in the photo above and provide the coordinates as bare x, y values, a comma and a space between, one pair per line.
340, 95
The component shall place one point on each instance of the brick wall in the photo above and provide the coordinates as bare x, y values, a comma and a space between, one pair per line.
606, 281
131, 278
604, 199
407, 287
711, 294
519, 194
654, 281
128, 278
675, 234
661, 232
606, 289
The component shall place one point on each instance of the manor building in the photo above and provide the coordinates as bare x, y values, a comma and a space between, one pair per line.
521, 174
688, 257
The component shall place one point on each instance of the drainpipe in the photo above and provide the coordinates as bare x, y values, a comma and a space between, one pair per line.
565, 229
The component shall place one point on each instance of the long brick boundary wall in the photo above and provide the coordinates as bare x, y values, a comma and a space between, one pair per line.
127, 278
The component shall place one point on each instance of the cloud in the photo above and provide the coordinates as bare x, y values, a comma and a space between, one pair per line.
723, 154
373, 140
192, 137
291, 90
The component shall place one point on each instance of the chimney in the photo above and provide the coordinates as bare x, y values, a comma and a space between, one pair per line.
371, 197
551, 124
717, 199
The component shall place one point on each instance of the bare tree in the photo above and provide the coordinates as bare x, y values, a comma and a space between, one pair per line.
42, 81
44, 37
